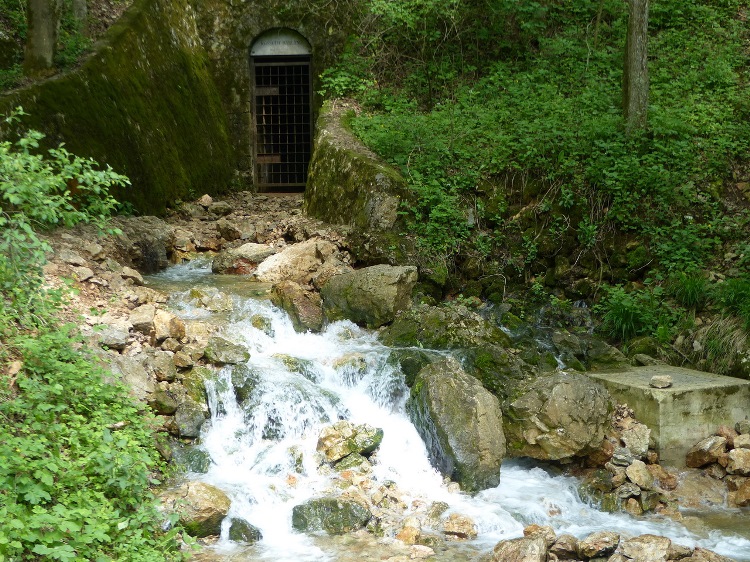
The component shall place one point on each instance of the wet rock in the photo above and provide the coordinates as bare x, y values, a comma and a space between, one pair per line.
696, 490
703, 555
602, 543
565, 548
201, 507
167, 325
739, 462
371, 296
242, 260
243, 532
244, 382
706, 451
558, 416
303, 367
189, 418
335, 516
420, 552
304, 307
298, 262
460, 423
640, 475
223, 352
353, 461
410, 531
622, 456
194, 459
343, 438
526, 549
627, 490
460, 527
194, 382
650, 500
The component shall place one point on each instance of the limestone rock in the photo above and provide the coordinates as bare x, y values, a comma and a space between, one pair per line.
743, 427
636, 438
706, 451
132, 274
243, 532
599, 544
244, 382
460, 423
370, 296
242, 260
190, 417
298, 262
304, 307
70, 257
742, 496
526, 549
342, 438
201, 507
167, 325
651, 548
544, 531
640, 475
739, 462
82, 273
460, 527
565, 547
220, 208
742, 441
142, 318
556, 416
660, 381
223, 352
163, 403
132, 373
335, 516
112, 336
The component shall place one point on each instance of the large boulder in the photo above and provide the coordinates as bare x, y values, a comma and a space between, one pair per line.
242, 260
461, 424
200, 506
298, 262
335, 516
370, 296
303, 305
556, 416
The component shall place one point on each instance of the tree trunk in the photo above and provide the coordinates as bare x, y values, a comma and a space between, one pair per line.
80, 13
635, 75
41, 37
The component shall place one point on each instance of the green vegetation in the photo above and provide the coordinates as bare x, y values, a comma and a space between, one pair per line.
505, 118
77, 455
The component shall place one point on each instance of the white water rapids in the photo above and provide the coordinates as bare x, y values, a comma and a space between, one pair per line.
263, 454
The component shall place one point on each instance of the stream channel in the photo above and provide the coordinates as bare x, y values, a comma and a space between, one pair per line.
262, 453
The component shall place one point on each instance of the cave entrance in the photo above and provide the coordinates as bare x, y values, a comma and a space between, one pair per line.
282, 112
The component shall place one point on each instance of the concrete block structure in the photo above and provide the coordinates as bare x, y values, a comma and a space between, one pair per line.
691, 409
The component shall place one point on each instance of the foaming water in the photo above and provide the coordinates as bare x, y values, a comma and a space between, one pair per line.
262, 440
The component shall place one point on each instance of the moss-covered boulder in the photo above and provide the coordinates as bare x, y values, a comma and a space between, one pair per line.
243, 532
244, 382
442, 327
223, 352
371, 296
460, 422
556, 416
335, 516
145, 103
200, 506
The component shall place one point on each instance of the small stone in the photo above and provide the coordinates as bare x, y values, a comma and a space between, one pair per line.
636, 439
739, 462
460, 527
220, 208
410, 531
112, 337
743, 426
544, 531
633, 507
565, 547
734, 482
715, 470
95, 250
627, 490
205, 201
82, 273
622, 457
182, 360
599, 544
142, 318
242, 531
639, 475
706, 451
419, 552
526, 549
660, 381
171, 344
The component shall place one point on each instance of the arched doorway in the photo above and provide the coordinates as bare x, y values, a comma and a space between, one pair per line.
282, 114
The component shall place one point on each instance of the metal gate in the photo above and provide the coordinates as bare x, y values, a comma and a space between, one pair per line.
283, 121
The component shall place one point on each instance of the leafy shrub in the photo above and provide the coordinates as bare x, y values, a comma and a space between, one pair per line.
639, 312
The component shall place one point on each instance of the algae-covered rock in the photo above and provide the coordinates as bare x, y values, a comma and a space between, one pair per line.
163, 402
558, 416
200, 506
335, 516
223, 352
411, 361
304, 367
370, 296
496, 367
442, 327
242, 531
353, 461
190, 417
244, 381
304, 306
194, 382
343, 438
461, 424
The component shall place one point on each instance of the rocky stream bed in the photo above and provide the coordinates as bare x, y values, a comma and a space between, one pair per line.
311, 403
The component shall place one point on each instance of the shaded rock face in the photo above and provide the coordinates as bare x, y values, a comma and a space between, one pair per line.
461, 424
370, 296
303, 306
200, 506
557, 416
335, 516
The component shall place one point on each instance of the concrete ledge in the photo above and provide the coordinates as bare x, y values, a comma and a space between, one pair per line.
691, 409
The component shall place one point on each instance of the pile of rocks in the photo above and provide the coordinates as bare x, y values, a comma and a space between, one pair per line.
630, 478
726, 456
540, 544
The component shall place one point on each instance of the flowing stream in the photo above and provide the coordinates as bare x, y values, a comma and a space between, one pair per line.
262, 451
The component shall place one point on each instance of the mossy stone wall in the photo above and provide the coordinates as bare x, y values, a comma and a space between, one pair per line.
145, 103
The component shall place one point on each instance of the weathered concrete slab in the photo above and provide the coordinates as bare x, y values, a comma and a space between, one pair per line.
691, 409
